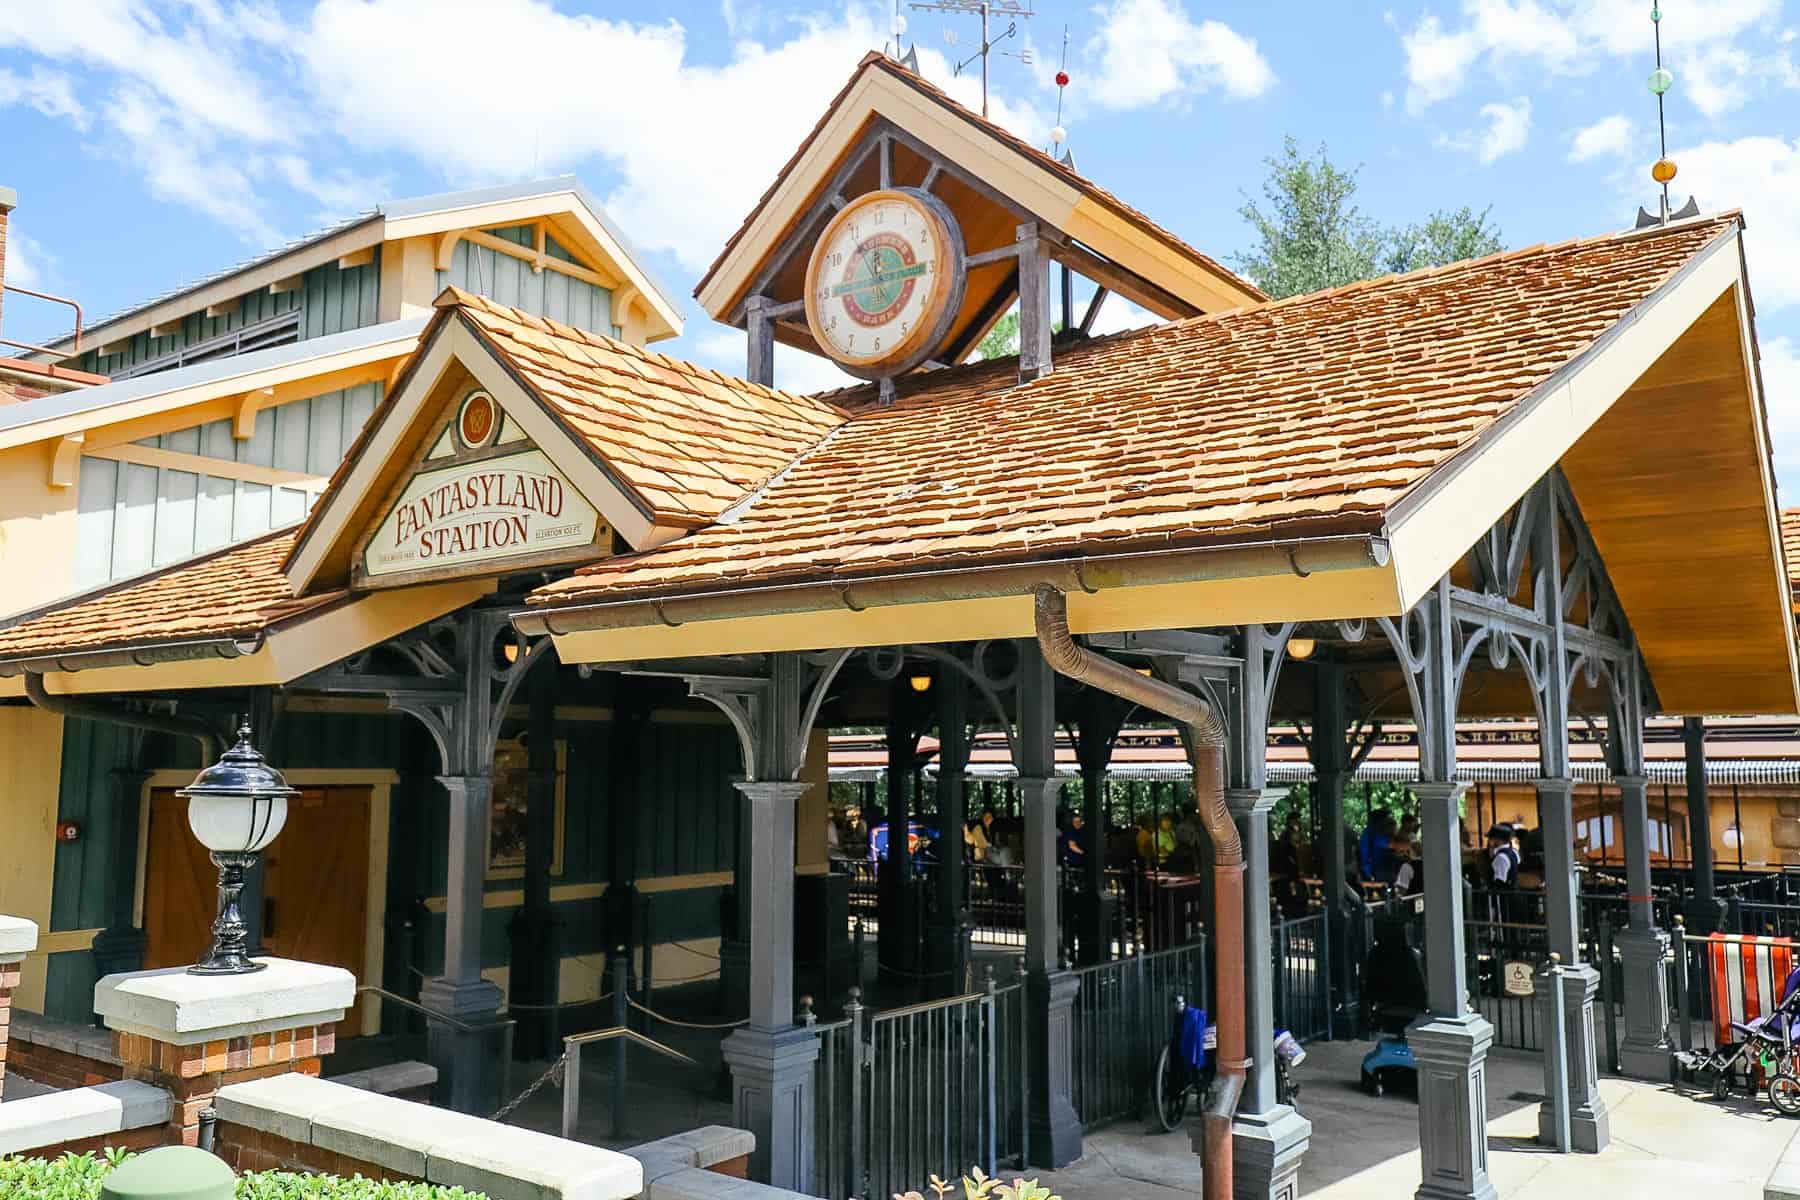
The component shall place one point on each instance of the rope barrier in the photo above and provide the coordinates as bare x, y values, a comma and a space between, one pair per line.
555, 1069
662, 983
511, 1007
685, 1024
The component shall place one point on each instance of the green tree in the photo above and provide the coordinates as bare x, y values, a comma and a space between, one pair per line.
1002, 341
1312, 235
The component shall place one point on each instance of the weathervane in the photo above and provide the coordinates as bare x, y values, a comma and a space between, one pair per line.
1059, 134
1663, 170
1012, 9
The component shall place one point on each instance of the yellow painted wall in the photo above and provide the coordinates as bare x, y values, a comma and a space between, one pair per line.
37, 529
30, 771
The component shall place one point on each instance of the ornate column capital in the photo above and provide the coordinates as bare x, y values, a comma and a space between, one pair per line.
1244, 802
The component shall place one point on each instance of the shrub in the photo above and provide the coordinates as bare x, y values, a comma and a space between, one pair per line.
981, 1187
78, 1177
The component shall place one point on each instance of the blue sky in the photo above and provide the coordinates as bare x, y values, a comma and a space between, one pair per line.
152, 143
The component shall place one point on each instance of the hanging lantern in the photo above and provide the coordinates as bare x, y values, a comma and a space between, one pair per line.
236, 807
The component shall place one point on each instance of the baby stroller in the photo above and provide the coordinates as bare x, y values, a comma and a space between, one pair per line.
1762, 1048
1393, 993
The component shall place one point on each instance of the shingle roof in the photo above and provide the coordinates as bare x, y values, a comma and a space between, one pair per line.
1790, 544
689, 441
875, 60
235, 592
1304, 417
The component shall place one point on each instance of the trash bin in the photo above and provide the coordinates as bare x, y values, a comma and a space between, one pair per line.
171, 1173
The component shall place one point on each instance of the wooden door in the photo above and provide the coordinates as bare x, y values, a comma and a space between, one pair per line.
315, 884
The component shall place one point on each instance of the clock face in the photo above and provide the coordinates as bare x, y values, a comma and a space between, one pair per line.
885, 281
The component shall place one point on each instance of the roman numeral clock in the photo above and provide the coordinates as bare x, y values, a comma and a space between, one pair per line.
885, 282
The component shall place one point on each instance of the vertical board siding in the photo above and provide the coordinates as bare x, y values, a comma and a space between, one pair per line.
330, 300
511, 281
81, 892
132, 518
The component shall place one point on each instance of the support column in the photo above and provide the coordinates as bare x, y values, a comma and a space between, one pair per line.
1268, 1139
1588, 1124
1053, 1130
120, 946
948, 960
897, 945
1450, 1042
1644, 1049
772, 1058
1330, 770
467, 1061
536, 958
1704, 911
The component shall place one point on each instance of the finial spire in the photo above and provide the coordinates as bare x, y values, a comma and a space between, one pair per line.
1663, 169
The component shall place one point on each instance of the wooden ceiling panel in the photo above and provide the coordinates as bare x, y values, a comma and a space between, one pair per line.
1687, 533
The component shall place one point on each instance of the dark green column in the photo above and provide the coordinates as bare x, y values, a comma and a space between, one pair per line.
948, 939
535, 968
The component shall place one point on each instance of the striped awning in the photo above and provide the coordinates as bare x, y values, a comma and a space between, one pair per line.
1764, 771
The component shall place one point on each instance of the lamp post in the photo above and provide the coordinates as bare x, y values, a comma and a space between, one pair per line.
235, 808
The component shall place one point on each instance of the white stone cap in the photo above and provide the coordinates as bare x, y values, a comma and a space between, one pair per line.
446, 1148
18, 937
173, 1006
57, 1117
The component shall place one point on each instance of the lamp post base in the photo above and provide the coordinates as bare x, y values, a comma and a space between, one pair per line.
230, 950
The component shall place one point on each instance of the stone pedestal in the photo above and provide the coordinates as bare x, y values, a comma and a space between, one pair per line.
193, 1034
18, 937
1644, 1048
772, 1096
1589, 1130
1266, 1149
468, 1060
1054, 1131
1452, 1056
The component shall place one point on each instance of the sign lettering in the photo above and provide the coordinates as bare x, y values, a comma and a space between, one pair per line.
496, 508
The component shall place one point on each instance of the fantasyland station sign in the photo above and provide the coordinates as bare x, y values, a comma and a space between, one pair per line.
459, 518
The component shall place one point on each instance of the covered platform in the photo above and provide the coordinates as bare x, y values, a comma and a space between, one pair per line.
575, 619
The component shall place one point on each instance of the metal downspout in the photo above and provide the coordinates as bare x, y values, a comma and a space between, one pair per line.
1207, 746
91, 710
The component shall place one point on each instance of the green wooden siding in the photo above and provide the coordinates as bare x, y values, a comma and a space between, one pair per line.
511, 281
330, 300
687, 824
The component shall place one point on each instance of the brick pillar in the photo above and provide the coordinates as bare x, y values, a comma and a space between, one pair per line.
194, 1034
18, 937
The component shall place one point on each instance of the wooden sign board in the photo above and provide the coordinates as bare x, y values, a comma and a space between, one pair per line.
473, 513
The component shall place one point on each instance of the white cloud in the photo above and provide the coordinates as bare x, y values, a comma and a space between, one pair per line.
1570, 37
1781, 396
1609, 137
27, 263
1507, 129
50, 92
1761, 175
1151, 51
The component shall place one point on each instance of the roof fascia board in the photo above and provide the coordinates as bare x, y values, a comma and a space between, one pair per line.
1320, 596
629, 517
258, 275
290, 650
1433, 525
254, 379
876, 94
570, 202
1759, 413
335, 508
457, 342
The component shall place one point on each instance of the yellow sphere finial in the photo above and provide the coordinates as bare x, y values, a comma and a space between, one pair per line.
1663, 170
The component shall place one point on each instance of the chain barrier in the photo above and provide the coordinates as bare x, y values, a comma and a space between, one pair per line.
554, 1071
511, 1007
654, 1015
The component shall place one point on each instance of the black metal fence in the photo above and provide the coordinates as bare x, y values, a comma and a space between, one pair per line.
1302, 950
1124, 1014
927, 1089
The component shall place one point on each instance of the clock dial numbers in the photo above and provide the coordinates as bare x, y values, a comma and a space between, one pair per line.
876, 286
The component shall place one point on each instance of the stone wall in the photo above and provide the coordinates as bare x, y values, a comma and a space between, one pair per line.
60, 1054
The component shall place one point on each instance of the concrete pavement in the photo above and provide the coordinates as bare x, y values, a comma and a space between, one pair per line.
1665, 1143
